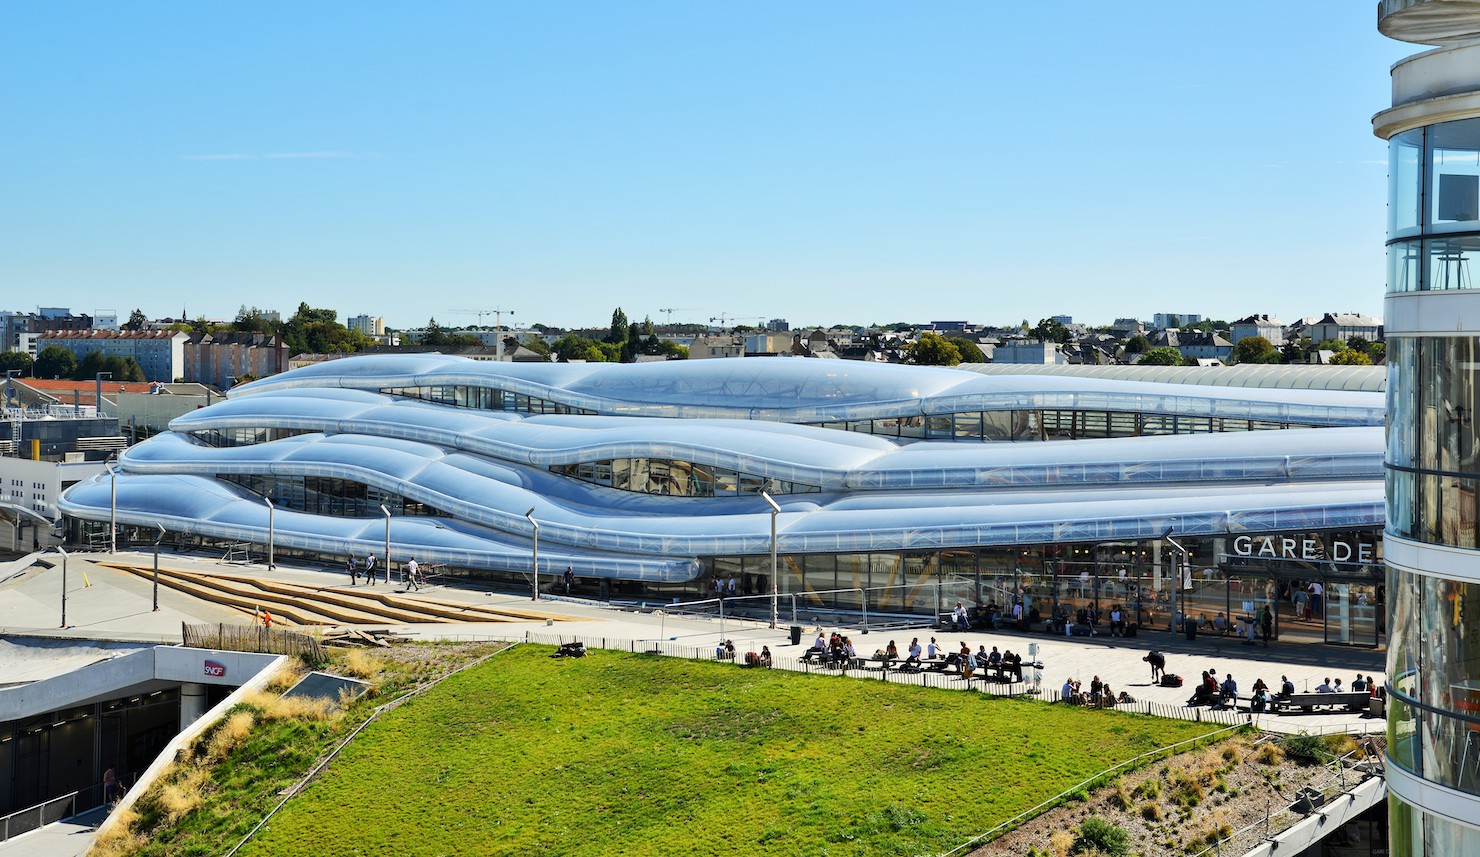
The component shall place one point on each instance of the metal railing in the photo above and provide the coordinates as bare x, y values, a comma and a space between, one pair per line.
38, 816
1340, 782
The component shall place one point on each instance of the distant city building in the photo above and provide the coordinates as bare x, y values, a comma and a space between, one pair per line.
1028, 352
1204, 346
1344, 326
1065, 320
105, 319
721, 345
161, 354
766, 344
1125, 328
222, 360
1175, 319
370, 325
949, 326
1266, 326
779, 325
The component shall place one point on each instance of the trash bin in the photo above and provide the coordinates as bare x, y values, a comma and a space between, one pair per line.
796, 635
1189, 625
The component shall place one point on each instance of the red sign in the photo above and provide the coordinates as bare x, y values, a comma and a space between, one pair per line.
215, 669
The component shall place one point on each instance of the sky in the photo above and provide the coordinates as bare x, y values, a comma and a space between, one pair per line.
824, 162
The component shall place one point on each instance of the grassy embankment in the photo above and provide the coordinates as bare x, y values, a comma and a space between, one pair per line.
622, 754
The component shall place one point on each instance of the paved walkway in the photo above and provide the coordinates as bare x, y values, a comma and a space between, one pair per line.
67, 838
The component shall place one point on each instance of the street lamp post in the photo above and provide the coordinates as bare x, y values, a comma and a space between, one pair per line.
271, 531
775, 510
536, 558
112, 507
1177, 594
387, 543
64, 585
156, 565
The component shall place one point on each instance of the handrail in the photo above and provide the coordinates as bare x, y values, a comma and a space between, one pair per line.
1066, 792
1338, 779
40, 810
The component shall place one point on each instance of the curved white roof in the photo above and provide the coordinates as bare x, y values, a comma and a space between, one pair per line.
485, 469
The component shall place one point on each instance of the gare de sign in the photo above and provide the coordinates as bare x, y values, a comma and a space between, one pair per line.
1290, 547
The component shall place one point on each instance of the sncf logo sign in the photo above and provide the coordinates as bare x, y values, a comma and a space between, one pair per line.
215, 669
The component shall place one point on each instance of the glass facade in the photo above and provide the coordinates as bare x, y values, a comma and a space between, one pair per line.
1433, 476
1434, 207
482, 398
677, 478
244, 436
1062, 424
340, 498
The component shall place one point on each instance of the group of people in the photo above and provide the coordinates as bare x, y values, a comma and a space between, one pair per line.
1003, 663
1261, 698
726, 587
1099, 695
355, 568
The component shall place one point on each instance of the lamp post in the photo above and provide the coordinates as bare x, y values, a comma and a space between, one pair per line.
536, 568
1176, 576
64, 585
387, 543
112, 507
775, 510
156, 565
271, 531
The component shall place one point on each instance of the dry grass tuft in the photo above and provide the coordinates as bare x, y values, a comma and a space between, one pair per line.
290, 674
120, 840
272, 707
184, 793
1151, 812
361, 664
1270, 754
1061, 841
232, 733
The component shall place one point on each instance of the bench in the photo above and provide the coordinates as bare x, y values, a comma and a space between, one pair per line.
724, 656
1348, 700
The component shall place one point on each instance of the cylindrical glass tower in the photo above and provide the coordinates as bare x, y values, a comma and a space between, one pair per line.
1432, 315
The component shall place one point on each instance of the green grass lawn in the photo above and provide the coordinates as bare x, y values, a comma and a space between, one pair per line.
634, 755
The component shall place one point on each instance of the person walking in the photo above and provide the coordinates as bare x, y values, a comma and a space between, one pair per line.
570, 579
110, 786
412, 571
370, 570
353, 567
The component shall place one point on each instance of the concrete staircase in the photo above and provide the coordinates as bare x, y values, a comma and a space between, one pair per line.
304, 604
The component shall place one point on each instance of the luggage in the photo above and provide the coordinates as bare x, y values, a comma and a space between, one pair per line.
1170, 680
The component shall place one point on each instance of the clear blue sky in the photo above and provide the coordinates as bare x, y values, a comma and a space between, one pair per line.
825, 162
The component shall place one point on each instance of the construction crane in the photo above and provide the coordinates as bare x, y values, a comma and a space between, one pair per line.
673, 309
724, 318
498, 314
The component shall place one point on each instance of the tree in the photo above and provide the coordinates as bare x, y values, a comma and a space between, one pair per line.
1333, 345
118, 368
17, 360
969, 352
251, 321
572, 347
1051, 330
55, 361
932, 349
1163, 356
1254, 349
1138, 344
1350, 357
536, 344
1173, 321
136, 320
621, 335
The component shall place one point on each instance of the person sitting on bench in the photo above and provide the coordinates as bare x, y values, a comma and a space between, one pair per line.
1227, 693
1206, 691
